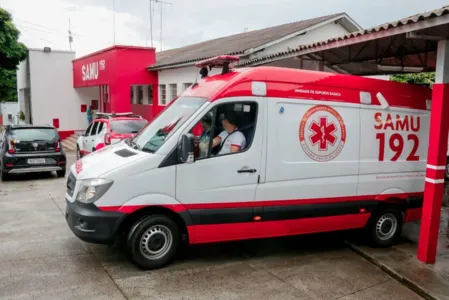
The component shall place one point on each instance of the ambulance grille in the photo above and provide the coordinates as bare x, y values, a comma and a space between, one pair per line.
125, 153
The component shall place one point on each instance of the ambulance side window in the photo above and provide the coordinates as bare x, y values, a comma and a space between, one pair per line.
203, 131
226, 129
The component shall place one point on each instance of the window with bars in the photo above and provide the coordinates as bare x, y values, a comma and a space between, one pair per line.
140, 94
163, 94
186, 85
173, 91
131, 94
150, 94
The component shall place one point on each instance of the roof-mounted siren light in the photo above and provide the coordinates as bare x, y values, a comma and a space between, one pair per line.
222, 61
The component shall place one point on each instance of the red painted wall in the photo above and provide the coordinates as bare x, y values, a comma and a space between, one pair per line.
63, 134
146, 111
119, 67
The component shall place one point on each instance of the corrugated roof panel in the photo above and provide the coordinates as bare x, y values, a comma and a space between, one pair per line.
410, 20
235, 44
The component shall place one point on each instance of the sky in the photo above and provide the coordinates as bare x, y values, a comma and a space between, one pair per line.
46, 22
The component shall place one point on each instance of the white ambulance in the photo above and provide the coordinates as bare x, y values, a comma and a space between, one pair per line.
256, 153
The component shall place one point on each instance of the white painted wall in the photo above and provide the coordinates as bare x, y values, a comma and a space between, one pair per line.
9, 109
380, 77
22, 75
51, 90
315, 35
179, 76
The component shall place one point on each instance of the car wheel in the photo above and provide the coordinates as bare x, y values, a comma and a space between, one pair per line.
3, 175
385, 227
60, 173
153, 242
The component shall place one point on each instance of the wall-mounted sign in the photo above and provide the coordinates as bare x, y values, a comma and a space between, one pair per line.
90, 71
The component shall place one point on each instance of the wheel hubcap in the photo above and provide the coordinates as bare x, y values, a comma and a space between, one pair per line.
156, 242
386, 226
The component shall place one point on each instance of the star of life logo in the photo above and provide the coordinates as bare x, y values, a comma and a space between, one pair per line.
322, 133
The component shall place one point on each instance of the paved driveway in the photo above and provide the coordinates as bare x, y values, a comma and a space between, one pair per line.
40, 258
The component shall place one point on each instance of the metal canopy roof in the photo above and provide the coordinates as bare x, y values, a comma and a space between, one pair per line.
386, 49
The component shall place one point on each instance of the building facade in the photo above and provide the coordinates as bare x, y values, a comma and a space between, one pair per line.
55, 88
46, 94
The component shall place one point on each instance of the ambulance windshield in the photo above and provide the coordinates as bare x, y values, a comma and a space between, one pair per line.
151, 138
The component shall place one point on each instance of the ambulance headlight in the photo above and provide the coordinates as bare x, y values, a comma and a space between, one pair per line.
92, 189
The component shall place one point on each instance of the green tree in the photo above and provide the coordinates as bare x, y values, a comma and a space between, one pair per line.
12, 52
426, 79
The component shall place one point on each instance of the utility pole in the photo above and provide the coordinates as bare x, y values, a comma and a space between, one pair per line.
70, 36
113, 18
151, 23
162, 3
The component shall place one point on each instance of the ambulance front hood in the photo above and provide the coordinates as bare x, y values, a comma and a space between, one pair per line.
105, 160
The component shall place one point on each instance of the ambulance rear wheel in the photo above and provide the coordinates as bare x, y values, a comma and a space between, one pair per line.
153, 242
385, 228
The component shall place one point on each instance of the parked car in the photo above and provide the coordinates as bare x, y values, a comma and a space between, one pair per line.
31, 149
108, 129
298, 152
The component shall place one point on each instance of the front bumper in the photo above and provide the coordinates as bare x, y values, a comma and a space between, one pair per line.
92, 225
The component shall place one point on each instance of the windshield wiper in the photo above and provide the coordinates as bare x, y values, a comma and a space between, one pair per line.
134, 145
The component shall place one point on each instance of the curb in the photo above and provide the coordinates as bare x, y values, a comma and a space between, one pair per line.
401, 279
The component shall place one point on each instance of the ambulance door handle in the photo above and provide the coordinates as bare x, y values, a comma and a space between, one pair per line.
247, 170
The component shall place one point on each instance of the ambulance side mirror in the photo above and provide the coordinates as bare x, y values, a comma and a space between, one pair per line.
187, 148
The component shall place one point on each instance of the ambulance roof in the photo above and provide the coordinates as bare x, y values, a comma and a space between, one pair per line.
310, 85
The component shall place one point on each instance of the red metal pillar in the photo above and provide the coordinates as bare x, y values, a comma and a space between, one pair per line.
436, 158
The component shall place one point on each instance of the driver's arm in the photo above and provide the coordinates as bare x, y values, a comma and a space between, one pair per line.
216, 141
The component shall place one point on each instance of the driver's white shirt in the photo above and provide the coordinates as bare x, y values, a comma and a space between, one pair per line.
236, 139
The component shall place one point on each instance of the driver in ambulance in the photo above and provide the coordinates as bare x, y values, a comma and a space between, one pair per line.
231, 140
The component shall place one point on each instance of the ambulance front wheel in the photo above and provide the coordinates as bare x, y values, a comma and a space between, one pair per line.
385, 227
153, 242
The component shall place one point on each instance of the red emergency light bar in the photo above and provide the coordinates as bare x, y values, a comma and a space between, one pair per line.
218, 61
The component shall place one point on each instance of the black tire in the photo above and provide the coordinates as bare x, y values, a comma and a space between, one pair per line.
60, 173
385, 227
3, 175
160, 231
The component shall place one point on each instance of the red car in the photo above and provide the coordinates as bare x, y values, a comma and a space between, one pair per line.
108, 129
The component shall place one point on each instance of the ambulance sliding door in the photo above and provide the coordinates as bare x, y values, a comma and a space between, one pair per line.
312, 150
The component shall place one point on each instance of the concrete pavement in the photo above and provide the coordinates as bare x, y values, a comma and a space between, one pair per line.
40, 258
431, 281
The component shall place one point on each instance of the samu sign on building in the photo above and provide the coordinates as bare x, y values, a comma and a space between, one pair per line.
90, 71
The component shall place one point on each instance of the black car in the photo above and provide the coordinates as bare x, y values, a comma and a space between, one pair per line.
30, 149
